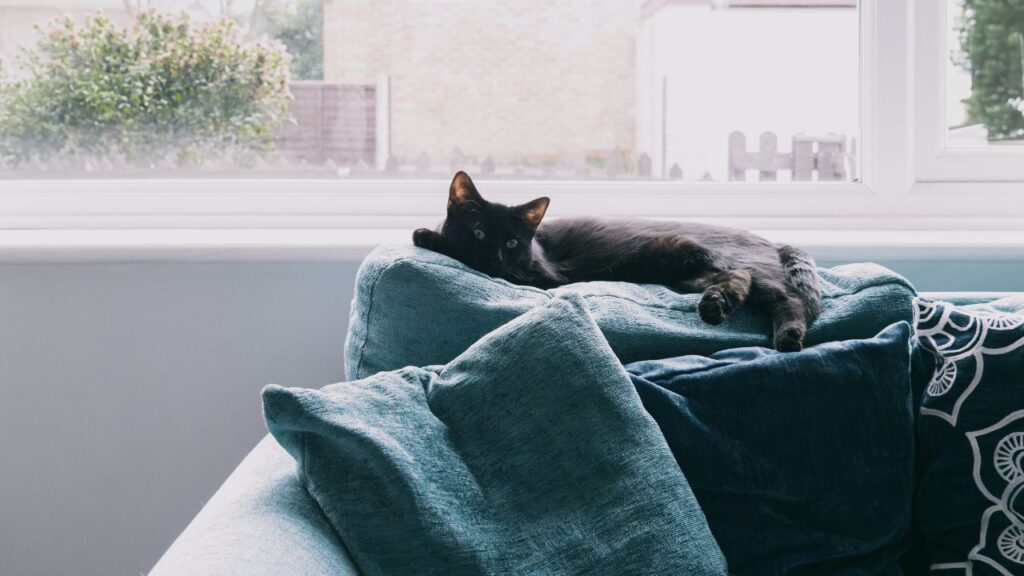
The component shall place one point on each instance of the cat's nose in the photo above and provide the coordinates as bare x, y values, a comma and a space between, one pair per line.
501, 257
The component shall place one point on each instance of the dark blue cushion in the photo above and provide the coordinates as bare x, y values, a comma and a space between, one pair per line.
970, 499
802, 462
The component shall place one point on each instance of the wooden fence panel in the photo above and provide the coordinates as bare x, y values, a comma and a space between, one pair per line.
332, 122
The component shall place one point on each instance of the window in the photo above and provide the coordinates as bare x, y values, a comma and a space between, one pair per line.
140, 88
968, 86
758, 88
710, 90
757, 113
985, 75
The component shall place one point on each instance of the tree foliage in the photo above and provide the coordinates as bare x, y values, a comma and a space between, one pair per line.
300, 28
161, 88
298, 24
992, 38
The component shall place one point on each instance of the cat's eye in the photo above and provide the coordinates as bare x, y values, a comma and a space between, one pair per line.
512, 243
479, 234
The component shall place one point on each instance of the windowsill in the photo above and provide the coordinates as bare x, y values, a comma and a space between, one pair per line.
351, 245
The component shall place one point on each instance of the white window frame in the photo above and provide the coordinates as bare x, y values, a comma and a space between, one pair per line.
901, 189
934, 160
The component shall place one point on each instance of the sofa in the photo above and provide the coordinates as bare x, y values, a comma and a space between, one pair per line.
262, 521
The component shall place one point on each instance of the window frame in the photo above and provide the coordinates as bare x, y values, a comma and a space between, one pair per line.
935, 161
898, 189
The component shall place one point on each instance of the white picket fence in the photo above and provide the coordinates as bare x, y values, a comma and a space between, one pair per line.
832, 157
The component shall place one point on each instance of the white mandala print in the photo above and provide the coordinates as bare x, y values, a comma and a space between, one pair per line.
1011, 543
961, 341
943, 379
1008, 457
1000, 321
999, 475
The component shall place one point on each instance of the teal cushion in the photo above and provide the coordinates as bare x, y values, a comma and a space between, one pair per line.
414, 307
528, 454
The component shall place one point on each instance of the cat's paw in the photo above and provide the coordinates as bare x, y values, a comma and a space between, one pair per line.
423, 237
714, 307
789, 338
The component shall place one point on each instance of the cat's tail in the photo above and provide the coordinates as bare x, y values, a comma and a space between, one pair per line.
802, 278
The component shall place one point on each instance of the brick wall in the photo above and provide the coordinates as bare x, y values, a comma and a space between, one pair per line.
332, 122
516, 80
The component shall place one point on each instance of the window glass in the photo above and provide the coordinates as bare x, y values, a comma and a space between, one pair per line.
694, 90
985, 73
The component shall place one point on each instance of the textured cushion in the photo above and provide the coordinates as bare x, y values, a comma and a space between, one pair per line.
970, 508
528, 454
414, 307
803, 463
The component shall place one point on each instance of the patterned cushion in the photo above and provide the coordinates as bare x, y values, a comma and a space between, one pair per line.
970, 500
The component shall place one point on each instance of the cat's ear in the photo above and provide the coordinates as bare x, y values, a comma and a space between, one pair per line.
462, 190
533, 211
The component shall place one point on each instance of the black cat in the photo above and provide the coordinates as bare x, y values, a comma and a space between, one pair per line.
729, 266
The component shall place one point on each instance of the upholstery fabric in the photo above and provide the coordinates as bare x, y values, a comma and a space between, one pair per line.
261, 522
530, 453
414, 307
803, 463
970, 508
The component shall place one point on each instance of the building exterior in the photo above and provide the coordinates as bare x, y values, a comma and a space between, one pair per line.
528, 81
533, 81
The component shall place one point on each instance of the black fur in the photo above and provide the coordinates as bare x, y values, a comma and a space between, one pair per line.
730, 267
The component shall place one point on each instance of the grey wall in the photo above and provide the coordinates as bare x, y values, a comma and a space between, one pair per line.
130, 391
955, 275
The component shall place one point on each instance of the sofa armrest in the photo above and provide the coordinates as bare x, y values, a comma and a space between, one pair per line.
260, 522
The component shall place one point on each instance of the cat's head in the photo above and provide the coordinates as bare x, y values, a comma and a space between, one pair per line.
490, 237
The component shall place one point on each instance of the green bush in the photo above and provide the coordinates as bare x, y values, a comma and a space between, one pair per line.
991, 35
160, 89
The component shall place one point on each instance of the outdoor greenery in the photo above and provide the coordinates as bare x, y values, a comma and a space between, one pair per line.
163, 89
992, 37
300, 29
298, 24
